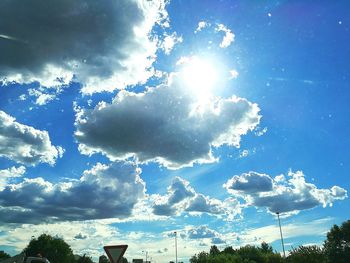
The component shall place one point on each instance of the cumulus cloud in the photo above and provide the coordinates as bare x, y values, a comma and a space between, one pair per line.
105, 191
102, 44
178, 191
204, 204
280, 194
7, 175
228, 38
204, 232
166, 124
24, 144
251, 182
181, 197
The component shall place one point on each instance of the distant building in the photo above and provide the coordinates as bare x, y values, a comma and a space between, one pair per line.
138, 260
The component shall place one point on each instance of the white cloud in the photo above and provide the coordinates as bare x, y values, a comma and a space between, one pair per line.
105, 44
164, 124
243, 153
233, 74
200, 234
251, 182
44, 95
228, 38
169, 42
271, 233
181, 198
280, 194
201, 25
7, 175
105, 191
226, 41
260, 132
24, 144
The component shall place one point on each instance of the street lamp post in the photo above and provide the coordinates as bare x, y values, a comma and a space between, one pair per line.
279, 222
175, 246
146, 254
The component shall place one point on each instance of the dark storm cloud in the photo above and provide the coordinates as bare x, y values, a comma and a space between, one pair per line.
102, 192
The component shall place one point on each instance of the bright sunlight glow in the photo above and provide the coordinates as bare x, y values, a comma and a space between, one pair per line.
200, 76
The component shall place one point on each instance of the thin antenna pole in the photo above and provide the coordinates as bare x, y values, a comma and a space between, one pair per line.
175, 246
279, 222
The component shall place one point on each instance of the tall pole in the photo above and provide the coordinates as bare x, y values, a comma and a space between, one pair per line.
175, 246
146, 254
279, 222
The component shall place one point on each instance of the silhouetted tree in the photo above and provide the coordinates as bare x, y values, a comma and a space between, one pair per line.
202, 257
309, 254
214, 250
251, 253
229, 250
103, 259
4, 255
337, 245
266, 248
55, 249
84, 259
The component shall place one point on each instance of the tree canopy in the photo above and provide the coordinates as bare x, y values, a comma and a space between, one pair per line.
246, 254
4, 255
55, 249
337, 245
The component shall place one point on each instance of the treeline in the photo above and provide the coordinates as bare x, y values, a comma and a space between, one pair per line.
56, 250
335, 249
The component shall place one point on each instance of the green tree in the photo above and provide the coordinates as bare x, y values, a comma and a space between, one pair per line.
274, 258
266, 248
214, 250
4, 255
229, 250
202, 257
225, 258
251, 253
337, 244
84, 259
55, 249
103, 259
309, 254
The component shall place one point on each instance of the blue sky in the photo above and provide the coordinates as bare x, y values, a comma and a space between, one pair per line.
124, 121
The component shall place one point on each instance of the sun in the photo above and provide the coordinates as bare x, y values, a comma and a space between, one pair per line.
199, 76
